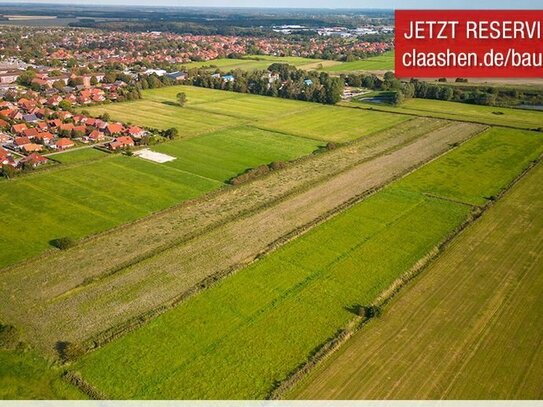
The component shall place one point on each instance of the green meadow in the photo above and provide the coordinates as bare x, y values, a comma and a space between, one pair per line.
91, 197
384, 62
25, 375
221, 135
254, 62
76, 156
499, 116
238, 338
333, 123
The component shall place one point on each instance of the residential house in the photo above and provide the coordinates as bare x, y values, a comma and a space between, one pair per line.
19, 128
44, 138
34, 160
114, 128
95, 136
136, 132
121, 142
6, 158
31, 148
30, 132
64, 143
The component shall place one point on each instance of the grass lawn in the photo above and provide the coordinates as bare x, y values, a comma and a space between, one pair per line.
26, 376
237, 338
227, 153
86, 154
498, 155
382, 62
501, 116
468, 328
336, 124
151, 113
86, 199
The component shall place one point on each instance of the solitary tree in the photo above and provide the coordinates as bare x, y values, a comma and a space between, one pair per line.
181, 98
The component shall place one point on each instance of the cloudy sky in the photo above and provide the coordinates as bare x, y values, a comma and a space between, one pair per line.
391, 4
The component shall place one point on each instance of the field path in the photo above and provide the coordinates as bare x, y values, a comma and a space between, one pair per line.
470, 327
135, 269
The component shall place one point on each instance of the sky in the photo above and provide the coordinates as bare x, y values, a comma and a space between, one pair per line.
388, 4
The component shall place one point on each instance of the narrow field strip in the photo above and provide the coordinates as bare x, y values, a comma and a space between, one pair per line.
238, 338
332, 123
492, 115
469, 328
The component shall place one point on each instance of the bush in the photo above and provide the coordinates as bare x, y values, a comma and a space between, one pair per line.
63, 243
277, 165
368, 311
9, 337
68, 351
331, 146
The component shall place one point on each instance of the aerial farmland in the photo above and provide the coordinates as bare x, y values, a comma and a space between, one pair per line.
251, 227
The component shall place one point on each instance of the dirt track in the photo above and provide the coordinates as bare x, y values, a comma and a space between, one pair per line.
86, 290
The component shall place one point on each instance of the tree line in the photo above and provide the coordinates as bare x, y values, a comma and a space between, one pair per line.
475, 94
279, 80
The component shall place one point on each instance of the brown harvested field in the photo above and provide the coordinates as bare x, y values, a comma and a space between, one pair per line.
86, 290
470, 327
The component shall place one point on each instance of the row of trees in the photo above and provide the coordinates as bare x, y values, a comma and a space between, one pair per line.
279, 80
480, 95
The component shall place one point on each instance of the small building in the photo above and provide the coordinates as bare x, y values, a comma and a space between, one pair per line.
64, 143
34, 160
177, 75
121, 142
31, 148
114, 128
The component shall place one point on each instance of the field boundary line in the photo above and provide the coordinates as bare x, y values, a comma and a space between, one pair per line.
325, 350
106, 336
75, 379
443, 198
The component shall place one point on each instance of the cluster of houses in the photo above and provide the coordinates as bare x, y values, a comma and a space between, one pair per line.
55, 89
28, 130
102, 48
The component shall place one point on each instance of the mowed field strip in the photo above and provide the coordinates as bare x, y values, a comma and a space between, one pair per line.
241, 336
262, 62
211, 237
492, 115
91, 193
384, 62
470, 327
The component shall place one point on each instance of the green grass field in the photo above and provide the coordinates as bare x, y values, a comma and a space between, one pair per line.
333, 123
254, 62
261, 62
500, 116
237, 338
76, 156
384, 62
94, 196
468, 328
225, 154
25, 375
218, 141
